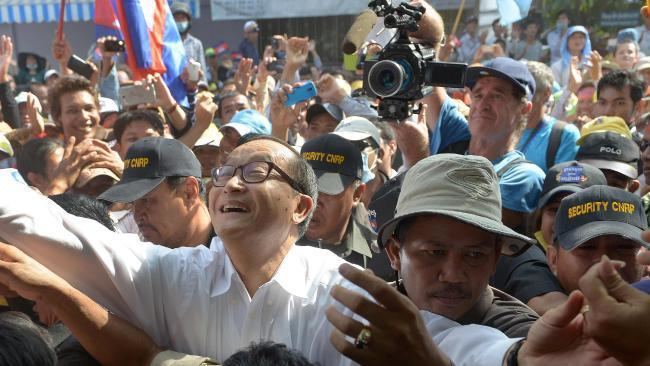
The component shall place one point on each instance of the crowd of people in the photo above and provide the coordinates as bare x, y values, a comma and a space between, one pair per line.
505, 224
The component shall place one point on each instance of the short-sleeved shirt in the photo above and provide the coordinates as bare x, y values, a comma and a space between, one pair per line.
533, 143
496, 309
531, 52
525, 276
249, 50
520, 186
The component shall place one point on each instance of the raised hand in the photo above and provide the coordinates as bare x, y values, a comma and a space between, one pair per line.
297, 51
392, 317
244, 75
6, 53
616, 312
61, 50
331, 89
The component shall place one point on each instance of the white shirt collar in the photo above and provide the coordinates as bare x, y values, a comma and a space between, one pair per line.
291, 274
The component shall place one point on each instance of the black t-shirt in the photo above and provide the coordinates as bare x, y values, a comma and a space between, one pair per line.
525, 276
496, 309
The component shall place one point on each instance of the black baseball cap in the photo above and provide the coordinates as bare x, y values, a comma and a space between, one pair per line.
610, 150
148, 162
504, 68
569, 177
383, 203
597, 211
335, 160
332, 109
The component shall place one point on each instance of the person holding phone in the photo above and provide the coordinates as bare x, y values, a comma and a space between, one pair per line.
193, 46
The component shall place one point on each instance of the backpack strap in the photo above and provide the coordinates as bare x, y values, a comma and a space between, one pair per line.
504, 169
554, 142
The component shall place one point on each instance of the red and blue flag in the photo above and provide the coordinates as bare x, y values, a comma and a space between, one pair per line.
153, 44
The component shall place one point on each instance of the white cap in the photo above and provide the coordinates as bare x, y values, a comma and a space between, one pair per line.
21, 97
107, 105
250, 25
49, 73
210, 137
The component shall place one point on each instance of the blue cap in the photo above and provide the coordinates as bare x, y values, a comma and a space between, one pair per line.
504, 68
249, 121
627, 34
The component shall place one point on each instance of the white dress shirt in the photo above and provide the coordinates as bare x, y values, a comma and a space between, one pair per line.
192, 300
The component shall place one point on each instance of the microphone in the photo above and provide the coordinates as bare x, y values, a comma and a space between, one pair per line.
359, 31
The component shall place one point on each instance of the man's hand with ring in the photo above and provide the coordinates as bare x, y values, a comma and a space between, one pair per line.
395, 334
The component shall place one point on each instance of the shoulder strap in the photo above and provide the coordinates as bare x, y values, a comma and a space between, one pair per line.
554, 142
504, 169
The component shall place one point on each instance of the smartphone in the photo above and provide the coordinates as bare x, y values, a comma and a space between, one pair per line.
193, 68
81, 67
137, 94
114, 45
301, 93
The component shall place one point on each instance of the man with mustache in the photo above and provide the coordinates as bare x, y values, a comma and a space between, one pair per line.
445, 243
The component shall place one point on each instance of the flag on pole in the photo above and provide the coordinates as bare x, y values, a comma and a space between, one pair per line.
153, 44
513, 10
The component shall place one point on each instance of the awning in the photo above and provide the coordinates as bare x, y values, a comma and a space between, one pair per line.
42, 11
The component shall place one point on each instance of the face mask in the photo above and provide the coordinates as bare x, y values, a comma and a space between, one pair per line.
31, 66
561, 25
182, 26
368, 175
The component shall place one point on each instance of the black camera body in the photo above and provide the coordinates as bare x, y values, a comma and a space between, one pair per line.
404, 71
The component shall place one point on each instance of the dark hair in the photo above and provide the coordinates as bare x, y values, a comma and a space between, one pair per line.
385, 131
68, 84
403, 227
84, 206
23, 343
495, 21
563, 11
297, 168
125, 119
585, 85
227, 95
175, 182
618, 80
267, 354
32, 157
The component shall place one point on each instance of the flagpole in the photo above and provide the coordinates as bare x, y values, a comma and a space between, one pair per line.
59, 31
460, 12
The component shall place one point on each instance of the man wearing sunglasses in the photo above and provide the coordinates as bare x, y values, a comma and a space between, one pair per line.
162, 178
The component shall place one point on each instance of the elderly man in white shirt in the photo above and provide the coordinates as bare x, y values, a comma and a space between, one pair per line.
252, 284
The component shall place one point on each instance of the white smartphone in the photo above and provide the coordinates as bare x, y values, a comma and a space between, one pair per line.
137, 94
193, 68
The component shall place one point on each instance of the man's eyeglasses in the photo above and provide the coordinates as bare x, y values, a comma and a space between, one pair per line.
252, 172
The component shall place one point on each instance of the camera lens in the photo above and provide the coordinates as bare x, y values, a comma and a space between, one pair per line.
386, 78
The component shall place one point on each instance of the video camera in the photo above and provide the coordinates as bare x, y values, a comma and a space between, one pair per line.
403, 71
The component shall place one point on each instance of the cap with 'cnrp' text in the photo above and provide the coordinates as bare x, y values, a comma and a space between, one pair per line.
463, 187
597, 211
335, 160
569, 177
148, 162
609, 150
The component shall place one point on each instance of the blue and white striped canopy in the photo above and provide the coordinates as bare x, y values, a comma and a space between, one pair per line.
40, 11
